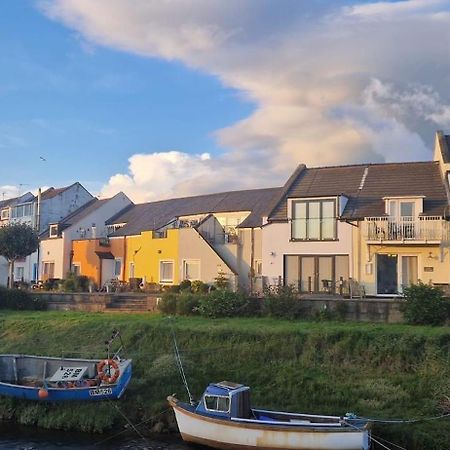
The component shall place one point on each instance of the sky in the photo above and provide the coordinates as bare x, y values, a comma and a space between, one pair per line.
167, 98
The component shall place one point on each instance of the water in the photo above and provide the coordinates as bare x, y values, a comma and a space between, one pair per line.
23, 438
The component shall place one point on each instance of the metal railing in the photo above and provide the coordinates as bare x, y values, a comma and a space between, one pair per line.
427, 228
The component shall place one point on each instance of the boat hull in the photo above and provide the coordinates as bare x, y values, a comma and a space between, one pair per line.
84, 393
228, 434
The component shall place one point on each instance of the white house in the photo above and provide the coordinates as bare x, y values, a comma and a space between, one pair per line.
87, 222
38, 212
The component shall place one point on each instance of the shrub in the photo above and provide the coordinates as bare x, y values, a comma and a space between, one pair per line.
222, 281
51, 284
168, 303
222, 303
425, 305
185, 285
20, 300
198, 287
282, 302
187, 304
173, 288
76, 283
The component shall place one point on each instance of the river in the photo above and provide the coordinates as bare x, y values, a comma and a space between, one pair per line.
23, 438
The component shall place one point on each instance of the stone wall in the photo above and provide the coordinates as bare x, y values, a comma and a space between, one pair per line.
364, 310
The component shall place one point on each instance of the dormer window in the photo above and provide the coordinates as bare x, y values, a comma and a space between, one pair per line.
53, 231
402, 207
313, 220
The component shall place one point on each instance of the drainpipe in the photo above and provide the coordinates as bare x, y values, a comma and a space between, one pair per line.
252, 257
38, 226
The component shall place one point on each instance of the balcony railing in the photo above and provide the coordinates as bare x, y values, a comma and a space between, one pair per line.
421, 229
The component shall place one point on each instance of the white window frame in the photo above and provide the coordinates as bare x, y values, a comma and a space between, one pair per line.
227, 397
76, 264
48, 263
51, 231
191, 261
4, 214
256, 263
167, 261
131, 270
16, 274
116, 260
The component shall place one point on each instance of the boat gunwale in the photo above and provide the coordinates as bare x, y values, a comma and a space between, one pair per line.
176, 404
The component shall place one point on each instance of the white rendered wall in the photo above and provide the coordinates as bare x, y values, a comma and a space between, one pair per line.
276, 243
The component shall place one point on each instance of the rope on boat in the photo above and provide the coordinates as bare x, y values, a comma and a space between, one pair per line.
135, 427
404, 421
180, 367
372, 437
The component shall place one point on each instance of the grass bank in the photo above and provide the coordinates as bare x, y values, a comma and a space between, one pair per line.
386, 371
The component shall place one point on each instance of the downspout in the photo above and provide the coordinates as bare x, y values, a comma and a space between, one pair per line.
124, 257
38, 226
252, 258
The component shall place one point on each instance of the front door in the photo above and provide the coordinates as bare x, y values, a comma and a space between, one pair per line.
387, 269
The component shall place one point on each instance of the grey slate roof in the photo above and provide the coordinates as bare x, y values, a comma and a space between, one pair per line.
381, 180
154, 215
77, 215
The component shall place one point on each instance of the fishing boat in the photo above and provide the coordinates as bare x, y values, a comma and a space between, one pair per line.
55, 379
224, 419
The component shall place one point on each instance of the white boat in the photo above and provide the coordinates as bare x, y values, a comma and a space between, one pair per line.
224, 419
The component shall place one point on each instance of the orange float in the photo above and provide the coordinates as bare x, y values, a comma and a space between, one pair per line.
107, 377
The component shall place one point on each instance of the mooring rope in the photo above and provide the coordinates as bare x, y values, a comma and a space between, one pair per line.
180, 367
404, 421
126, 431
372, 437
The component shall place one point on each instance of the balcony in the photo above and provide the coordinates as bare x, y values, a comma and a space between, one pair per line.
419, 230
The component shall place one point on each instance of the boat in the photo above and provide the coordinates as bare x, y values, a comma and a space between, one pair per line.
55, 379
224, 419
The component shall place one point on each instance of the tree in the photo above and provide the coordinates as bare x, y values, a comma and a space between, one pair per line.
17, 240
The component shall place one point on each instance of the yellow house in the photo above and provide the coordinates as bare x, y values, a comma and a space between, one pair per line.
195, 238
153, 256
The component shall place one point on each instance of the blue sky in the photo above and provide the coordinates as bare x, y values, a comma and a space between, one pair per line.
86, 109
163, 99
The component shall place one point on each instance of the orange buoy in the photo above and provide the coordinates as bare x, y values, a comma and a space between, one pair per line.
43, 393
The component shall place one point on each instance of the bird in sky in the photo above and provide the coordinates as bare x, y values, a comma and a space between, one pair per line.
42, 158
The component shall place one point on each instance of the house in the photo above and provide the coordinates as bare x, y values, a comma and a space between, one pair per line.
5, 210
384, 226
192, 238
85, 224
304, 243
403, 230
38, 212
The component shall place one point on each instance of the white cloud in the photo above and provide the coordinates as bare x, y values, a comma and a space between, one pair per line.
9, 191
332, 84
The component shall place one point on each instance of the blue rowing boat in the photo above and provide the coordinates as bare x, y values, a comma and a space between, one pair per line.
54, 379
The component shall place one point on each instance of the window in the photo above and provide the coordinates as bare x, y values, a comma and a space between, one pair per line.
217, 403
22, 211
314, 220
401, 208
166, 271
257, 267
76, 269
117, 267
192, 270
48, 269
5, 214
131, 270
53, 232
19, 274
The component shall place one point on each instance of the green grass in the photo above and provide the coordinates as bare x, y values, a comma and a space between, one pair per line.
375, 370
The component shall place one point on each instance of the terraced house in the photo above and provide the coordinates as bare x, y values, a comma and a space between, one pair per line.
195, 238
39, 211
383, 226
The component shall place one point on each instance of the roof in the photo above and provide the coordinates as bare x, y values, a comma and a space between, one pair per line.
365, 186
27, 197
78, 214
154, 215
52, 192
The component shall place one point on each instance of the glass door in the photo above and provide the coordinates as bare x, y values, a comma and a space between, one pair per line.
409, 271
308, 274
387, 274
